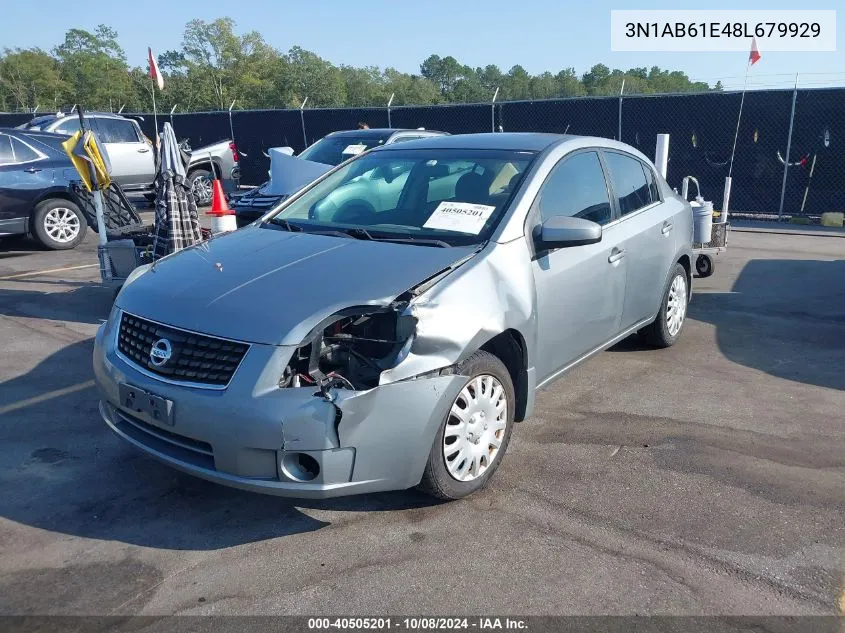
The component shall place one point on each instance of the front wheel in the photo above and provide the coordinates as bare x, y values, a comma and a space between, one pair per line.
472, 440
666, 328
58, 224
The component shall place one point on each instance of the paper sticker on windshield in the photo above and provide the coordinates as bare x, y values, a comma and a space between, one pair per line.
463, 217
354, 150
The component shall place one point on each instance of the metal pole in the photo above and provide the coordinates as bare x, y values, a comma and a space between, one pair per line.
807, 188
231, 126
493, 110
121, 108
661, 154
788, 147
302, 118
738, 119
388, 109
621, 91
155, 114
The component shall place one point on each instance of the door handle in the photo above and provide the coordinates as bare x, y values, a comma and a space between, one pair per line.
32, 170
143, 150
667, 227
615, 255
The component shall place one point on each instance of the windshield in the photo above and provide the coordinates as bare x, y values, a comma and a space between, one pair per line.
430, 197
333, 150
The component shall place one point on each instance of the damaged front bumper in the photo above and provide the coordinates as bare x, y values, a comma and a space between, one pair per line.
284, 441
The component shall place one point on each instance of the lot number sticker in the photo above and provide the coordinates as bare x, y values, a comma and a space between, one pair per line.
463, 217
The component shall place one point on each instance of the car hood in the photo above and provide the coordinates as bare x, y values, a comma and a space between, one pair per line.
263, 285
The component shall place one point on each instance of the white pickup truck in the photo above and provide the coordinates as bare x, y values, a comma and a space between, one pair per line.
133, 159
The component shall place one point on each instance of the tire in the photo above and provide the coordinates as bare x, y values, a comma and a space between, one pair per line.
201, 183
704, 265
664, 331
58, 224
438, 481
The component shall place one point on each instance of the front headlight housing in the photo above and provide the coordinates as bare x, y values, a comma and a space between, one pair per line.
351, 349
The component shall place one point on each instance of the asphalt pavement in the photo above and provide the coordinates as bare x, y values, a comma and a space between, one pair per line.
708, 478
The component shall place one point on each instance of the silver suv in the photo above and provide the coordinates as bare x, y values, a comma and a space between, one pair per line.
365, 337
133, 159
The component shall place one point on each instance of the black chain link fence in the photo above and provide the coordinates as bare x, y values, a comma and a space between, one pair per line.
701, 126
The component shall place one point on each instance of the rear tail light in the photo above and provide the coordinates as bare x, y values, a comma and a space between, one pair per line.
234, 149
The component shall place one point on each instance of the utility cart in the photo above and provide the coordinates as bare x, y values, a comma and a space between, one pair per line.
129, 242
709, 238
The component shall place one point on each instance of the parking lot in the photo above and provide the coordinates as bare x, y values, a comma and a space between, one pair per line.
708, 478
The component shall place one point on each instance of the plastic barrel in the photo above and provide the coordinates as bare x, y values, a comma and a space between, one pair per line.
702, 216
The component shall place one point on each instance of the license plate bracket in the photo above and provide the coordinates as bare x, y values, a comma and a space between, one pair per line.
138, 400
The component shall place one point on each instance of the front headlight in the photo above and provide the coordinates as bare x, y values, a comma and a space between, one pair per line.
351, 349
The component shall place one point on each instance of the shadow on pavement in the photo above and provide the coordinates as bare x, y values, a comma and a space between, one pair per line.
62, 470
87, 303
783, 317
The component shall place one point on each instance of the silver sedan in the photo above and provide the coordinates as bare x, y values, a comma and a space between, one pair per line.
386, 326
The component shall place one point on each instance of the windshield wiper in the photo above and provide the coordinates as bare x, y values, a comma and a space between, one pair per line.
364, 234
333, 234
287, 226
414, 240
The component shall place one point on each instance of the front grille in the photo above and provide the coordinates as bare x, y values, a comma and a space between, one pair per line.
194, 358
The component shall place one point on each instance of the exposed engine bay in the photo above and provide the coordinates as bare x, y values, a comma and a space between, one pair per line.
350, 349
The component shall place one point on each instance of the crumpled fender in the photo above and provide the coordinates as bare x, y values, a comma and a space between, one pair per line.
490, 294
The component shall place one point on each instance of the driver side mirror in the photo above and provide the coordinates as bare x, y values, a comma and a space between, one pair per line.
562, 231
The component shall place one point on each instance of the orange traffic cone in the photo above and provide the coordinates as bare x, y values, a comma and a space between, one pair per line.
223, 218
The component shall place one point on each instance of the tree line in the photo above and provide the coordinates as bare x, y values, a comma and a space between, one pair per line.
215, 65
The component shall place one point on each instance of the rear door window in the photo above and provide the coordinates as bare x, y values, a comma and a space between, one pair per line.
652, 183
13, 152
629, 181
23, 153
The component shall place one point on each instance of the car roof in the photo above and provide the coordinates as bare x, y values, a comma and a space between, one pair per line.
35, 133
379, 132
515, 141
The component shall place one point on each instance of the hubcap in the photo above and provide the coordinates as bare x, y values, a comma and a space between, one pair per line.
475, 428
61, 224
676, 305
201, 189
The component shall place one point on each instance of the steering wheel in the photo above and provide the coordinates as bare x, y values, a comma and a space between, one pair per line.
355, 212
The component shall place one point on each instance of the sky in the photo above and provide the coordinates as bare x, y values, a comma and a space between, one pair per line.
538, 34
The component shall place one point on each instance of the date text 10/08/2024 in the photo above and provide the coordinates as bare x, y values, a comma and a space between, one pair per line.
720, 29
418, 623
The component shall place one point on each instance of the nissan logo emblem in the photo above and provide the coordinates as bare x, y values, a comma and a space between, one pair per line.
160, 352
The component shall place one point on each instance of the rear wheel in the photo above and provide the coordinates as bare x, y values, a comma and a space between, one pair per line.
666, 328
201, 181
58, 224
472, 440
704, 265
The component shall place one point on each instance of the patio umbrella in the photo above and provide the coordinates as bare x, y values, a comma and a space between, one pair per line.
177, 224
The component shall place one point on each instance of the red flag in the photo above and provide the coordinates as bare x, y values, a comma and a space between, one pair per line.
754, 56
155, 73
